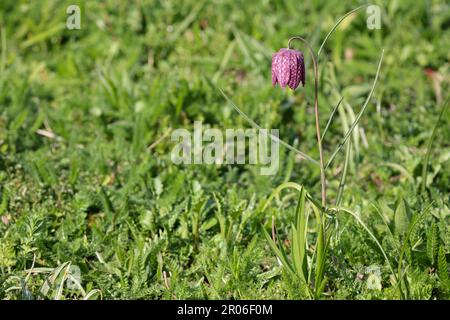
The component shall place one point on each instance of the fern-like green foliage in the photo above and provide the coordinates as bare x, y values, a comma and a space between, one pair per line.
443, 269
401, 217
433, 243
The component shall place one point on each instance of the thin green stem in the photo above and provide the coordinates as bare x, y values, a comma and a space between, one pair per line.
316, 111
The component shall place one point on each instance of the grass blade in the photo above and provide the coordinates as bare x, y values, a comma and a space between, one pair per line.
92, 293
331, 118
296, 254
255, 125
430, 144
355, 216
281, 187
301, 232
278, 252
344, 174
335, 26
349, 132
187, 21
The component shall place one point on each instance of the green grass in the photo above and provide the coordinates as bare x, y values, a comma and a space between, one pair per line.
86, 177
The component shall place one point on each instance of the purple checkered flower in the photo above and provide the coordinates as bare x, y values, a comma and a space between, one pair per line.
288, 68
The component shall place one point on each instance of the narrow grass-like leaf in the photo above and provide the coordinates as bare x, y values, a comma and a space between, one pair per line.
335, 26
320, 251
62, 282
225, 60
296, 252
330, 119
355, 133
320, 260
344, 175
244, 47
92, 293
386, 223
355, 216
51, 278
430, 144
281, 187
255, 125
49, 32
401, 169
279, 252
349, 132
301, 222
180, 28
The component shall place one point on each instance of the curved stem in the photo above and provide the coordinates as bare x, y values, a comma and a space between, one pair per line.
336, 25
316, 111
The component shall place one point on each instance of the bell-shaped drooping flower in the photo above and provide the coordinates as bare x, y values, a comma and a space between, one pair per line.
288, 68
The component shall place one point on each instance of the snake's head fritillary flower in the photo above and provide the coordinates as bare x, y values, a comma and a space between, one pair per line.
288, 68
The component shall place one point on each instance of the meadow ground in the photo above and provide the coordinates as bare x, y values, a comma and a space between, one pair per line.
92, 206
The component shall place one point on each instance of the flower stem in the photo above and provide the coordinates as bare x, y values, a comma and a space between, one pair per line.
316, 111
